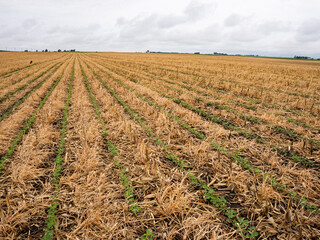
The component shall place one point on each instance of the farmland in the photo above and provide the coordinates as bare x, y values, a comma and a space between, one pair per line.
158, 146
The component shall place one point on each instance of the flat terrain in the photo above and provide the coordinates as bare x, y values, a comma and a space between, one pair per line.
158, 146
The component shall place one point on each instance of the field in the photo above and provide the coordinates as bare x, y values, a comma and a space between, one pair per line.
158, 146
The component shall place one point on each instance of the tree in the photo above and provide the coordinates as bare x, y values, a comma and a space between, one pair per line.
26, 50
46, 50
59, 50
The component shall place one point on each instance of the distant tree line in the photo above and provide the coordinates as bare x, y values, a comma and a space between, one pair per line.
217, 53
59, 50
71, 50
302, 57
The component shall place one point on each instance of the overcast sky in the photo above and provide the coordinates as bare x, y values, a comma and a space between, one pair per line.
264, 27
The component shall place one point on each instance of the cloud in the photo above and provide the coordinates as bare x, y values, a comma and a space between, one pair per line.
168, 29
68, 29
234, 20
194, 12
29, 23
197, 10
170, 20
273, 26
309, 31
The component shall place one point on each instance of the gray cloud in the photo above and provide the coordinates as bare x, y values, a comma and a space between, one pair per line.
197, 10
29, 23
234, 20
274, 26
309, 31
194, 12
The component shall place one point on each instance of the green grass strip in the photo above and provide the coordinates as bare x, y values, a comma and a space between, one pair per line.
49, 230
21, 100
26, 126
25, 85
239, 223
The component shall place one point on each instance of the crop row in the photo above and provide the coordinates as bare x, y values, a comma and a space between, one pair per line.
4, 75
129, 190
129, 194
242, 94
10, 83
220, 202
288, 132
21, 100
22, 78
27, 125
245, 85
278, 129
228, 125
242, 161
251, 101
6, 96
204, 92
49, 230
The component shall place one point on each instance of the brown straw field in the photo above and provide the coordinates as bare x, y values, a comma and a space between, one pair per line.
158, 146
